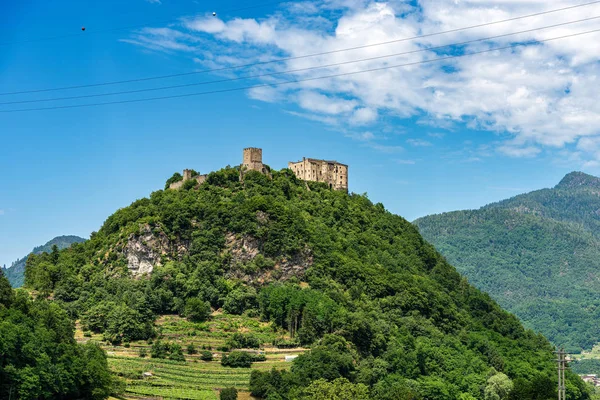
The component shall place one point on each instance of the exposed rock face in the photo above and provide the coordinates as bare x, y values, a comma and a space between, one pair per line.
149, 248
144, 251
244, 250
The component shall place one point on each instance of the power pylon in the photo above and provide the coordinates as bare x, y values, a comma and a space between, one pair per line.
562, 366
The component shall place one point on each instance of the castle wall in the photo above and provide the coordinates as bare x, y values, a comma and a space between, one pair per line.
187, 175
333, 173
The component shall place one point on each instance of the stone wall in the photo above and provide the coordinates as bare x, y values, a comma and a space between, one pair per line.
333, 173
187, 175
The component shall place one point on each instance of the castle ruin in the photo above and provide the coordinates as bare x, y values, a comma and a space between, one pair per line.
333, 173
187, 175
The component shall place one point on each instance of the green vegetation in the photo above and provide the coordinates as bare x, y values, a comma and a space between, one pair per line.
16, 272
380, 309
228, 394
39, 358
537, 254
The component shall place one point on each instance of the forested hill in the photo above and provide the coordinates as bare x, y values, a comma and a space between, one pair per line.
385, 315
537, 254
16, 272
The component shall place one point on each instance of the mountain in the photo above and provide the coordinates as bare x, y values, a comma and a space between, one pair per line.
384, 315
537, 254
16, 272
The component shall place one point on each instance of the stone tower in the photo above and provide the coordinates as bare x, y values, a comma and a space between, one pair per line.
252, 160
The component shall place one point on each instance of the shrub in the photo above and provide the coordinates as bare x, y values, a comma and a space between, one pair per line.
206, 356
237, 359
243, 341
87, 334
228, 394
176, 353
143, 352
191, 349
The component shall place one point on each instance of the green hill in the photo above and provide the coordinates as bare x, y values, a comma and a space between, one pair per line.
385, 316
537, 254
16, 272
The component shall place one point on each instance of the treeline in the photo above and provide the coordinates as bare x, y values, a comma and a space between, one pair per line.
385, 314
39, 358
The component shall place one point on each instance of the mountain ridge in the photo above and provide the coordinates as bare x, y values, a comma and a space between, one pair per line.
536, 253
16, 272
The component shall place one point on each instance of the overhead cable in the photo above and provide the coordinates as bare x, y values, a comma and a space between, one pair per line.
304, 79
296, 70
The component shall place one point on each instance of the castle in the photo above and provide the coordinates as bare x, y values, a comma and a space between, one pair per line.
333, 173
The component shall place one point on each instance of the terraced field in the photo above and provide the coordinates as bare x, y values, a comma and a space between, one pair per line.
194, 379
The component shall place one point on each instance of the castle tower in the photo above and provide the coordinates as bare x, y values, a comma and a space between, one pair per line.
252, 160
187, 174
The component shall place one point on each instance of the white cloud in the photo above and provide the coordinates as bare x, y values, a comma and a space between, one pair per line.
437, 135
154, 1
362, 116
418, 142
406, 162
537, 97
313, 101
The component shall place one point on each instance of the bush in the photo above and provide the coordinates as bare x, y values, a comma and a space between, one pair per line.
87, 334
143, 352
243, 341
172, 351
176, 353
191, 349
197, 310
206, 356
237, 359
228, 394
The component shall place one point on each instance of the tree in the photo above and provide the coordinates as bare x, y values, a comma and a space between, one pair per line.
228, 394
499, 387
6, 292
339, 389
197, 310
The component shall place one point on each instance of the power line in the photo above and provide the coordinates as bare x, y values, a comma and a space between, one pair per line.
95, 32
299, 57
302, 80
296, 70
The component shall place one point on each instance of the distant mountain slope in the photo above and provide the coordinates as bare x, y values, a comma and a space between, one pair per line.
537, 254
16, 272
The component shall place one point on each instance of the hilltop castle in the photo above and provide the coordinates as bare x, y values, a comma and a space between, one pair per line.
332, 173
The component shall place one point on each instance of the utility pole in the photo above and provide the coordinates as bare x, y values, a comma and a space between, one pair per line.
562, 366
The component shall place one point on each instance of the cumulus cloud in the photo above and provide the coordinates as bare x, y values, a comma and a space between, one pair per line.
537, 96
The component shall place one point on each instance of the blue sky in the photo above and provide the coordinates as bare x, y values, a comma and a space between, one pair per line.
422, 139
